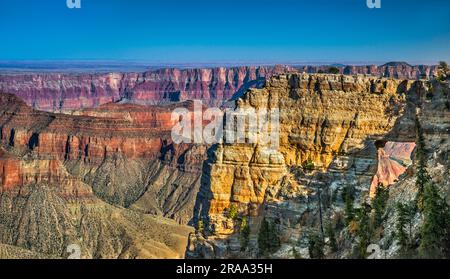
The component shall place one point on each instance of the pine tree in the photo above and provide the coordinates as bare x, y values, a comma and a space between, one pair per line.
400, 231
263, 237
379, 204
364, 232
268, 239
422, 176
348, 198
315, 246
435, 229
331, 235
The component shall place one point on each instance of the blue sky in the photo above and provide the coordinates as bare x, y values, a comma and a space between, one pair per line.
265, 31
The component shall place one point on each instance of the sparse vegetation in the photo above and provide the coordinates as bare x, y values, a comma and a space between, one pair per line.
348, 197
315, 246
245, 233
200, 227
296, 254
332, 237
232, 212
379, 204
364, 230
268, 239
308, 165
333, 70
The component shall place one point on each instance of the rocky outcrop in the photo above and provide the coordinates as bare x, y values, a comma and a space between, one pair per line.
329, 127
65, 92
398, 70
121, 153
109, 177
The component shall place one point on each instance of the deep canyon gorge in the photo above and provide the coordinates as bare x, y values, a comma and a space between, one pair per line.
88, 159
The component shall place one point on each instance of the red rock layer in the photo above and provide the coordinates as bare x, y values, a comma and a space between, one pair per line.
133, 131
393, 160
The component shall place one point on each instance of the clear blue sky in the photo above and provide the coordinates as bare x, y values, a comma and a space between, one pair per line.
226, 30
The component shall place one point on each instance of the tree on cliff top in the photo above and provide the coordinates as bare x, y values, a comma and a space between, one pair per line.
333, 70
443, 71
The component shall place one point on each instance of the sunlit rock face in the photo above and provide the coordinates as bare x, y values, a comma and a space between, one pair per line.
329, 126
321, 116
393, 160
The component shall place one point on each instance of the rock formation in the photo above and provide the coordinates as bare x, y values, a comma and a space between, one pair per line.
398, 70
107, 176
56, 92
87, 170
65, 92
329, 128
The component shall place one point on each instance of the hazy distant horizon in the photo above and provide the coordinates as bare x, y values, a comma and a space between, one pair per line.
21, 66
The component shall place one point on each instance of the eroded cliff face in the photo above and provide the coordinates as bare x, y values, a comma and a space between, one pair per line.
65, 92
56, 92
110, 177
398, 70
329, 125
121, 151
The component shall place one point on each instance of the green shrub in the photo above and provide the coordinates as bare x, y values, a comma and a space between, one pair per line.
232, 212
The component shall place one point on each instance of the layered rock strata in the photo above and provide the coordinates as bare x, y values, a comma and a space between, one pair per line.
65, 92
329, 126
122, 152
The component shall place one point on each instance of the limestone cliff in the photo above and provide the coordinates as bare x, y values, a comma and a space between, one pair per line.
330, 126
